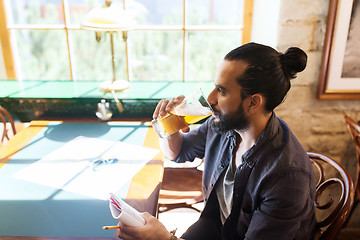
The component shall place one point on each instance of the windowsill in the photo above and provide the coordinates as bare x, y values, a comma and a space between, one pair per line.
29, 100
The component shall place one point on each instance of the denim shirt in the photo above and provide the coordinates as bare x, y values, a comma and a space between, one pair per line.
274, 187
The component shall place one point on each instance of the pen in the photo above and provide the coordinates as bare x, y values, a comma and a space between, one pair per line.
110, 227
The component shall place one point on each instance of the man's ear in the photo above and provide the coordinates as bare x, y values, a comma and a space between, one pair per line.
256, 102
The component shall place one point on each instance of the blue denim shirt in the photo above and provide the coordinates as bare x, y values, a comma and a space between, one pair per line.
274, 187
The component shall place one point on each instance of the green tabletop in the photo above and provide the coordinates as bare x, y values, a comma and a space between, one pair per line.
30, 99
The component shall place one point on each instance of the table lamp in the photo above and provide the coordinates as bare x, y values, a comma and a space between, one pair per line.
109, 18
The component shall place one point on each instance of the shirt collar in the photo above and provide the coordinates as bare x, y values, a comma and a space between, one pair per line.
271, 130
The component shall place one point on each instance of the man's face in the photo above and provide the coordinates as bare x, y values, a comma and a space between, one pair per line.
225, 99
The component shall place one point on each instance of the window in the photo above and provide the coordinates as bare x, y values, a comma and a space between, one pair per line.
176, 40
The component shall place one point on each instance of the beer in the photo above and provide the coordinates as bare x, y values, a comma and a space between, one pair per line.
194, 119
171, 123
190, 111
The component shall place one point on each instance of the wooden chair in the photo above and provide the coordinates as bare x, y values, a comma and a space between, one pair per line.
354, 130
334, 196
181, 187
6, 118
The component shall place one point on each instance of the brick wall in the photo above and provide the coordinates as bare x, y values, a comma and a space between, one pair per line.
319, 125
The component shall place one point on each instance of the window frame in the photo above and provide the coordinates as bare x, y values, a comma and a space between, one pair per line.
9, 52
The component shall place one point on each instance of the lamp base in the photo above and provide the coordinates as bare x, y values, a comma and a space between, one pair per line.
117, 86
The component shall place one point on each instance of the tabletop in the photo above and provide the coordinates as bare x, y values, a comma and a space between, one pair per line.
43, 197
30, 99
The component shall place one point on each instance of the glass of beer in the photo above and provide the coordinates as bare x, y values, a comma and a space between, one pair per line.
191, 110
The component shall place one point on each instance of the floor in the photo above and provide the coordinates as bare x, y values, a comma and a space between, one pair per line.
349, 234
182, 218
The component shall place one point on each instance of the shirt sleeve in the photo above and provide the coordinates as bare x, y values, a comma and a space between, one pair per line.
285, 203
193, 144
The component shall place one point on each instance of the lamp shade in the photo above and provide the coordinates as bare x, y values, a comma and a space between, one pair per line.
107, 18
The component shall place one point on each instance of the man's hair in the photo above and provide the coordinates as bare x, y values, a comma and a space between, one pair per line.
268, 72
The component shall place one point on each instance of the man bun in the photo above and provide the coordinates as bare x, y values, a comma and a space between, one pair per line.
293, 61
268, 71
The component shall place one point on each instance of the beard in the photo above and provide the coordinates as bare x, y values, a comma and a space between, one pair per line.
232, 121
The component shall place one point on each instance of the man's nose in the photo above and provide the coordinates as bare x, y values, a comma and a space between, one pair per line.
211, 98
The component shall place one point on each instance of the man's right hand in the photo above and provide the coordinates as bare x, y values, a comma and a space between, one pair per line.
166, 105
170, 146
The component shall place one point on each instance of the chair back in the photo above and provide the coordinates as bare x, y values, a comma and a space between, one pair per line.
181, 188
354, 130
6, 119
334, 195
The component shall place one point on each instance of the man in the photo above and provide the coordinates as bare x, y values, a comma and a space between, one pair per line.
258, 181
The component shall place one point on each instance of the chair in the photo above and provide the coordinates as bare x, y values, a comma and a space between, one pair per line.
6, 118
334, 196
181, 187
354, 130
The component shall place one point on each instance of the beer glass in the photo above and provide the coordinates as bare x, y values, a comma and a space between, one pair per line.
191, 110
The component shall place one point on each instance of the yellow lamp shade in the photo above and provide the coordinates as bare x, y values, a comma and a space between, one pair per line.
108, 18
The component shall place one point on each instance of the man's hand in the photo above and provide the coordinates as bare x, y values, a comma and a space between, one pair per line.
152, 230
166, 105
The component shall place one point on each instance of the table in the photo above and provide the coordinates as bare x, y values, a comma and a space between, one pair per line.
30, 209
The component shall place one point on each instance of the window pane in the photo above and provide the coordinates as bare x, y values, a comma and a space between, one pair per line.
37, 11
206, 50
156, 12
214, 12
43, 55
93, 59
156, 55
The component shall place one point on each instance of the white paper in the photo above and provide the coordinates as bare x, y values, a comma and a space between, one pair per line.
127, 214
69, 167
